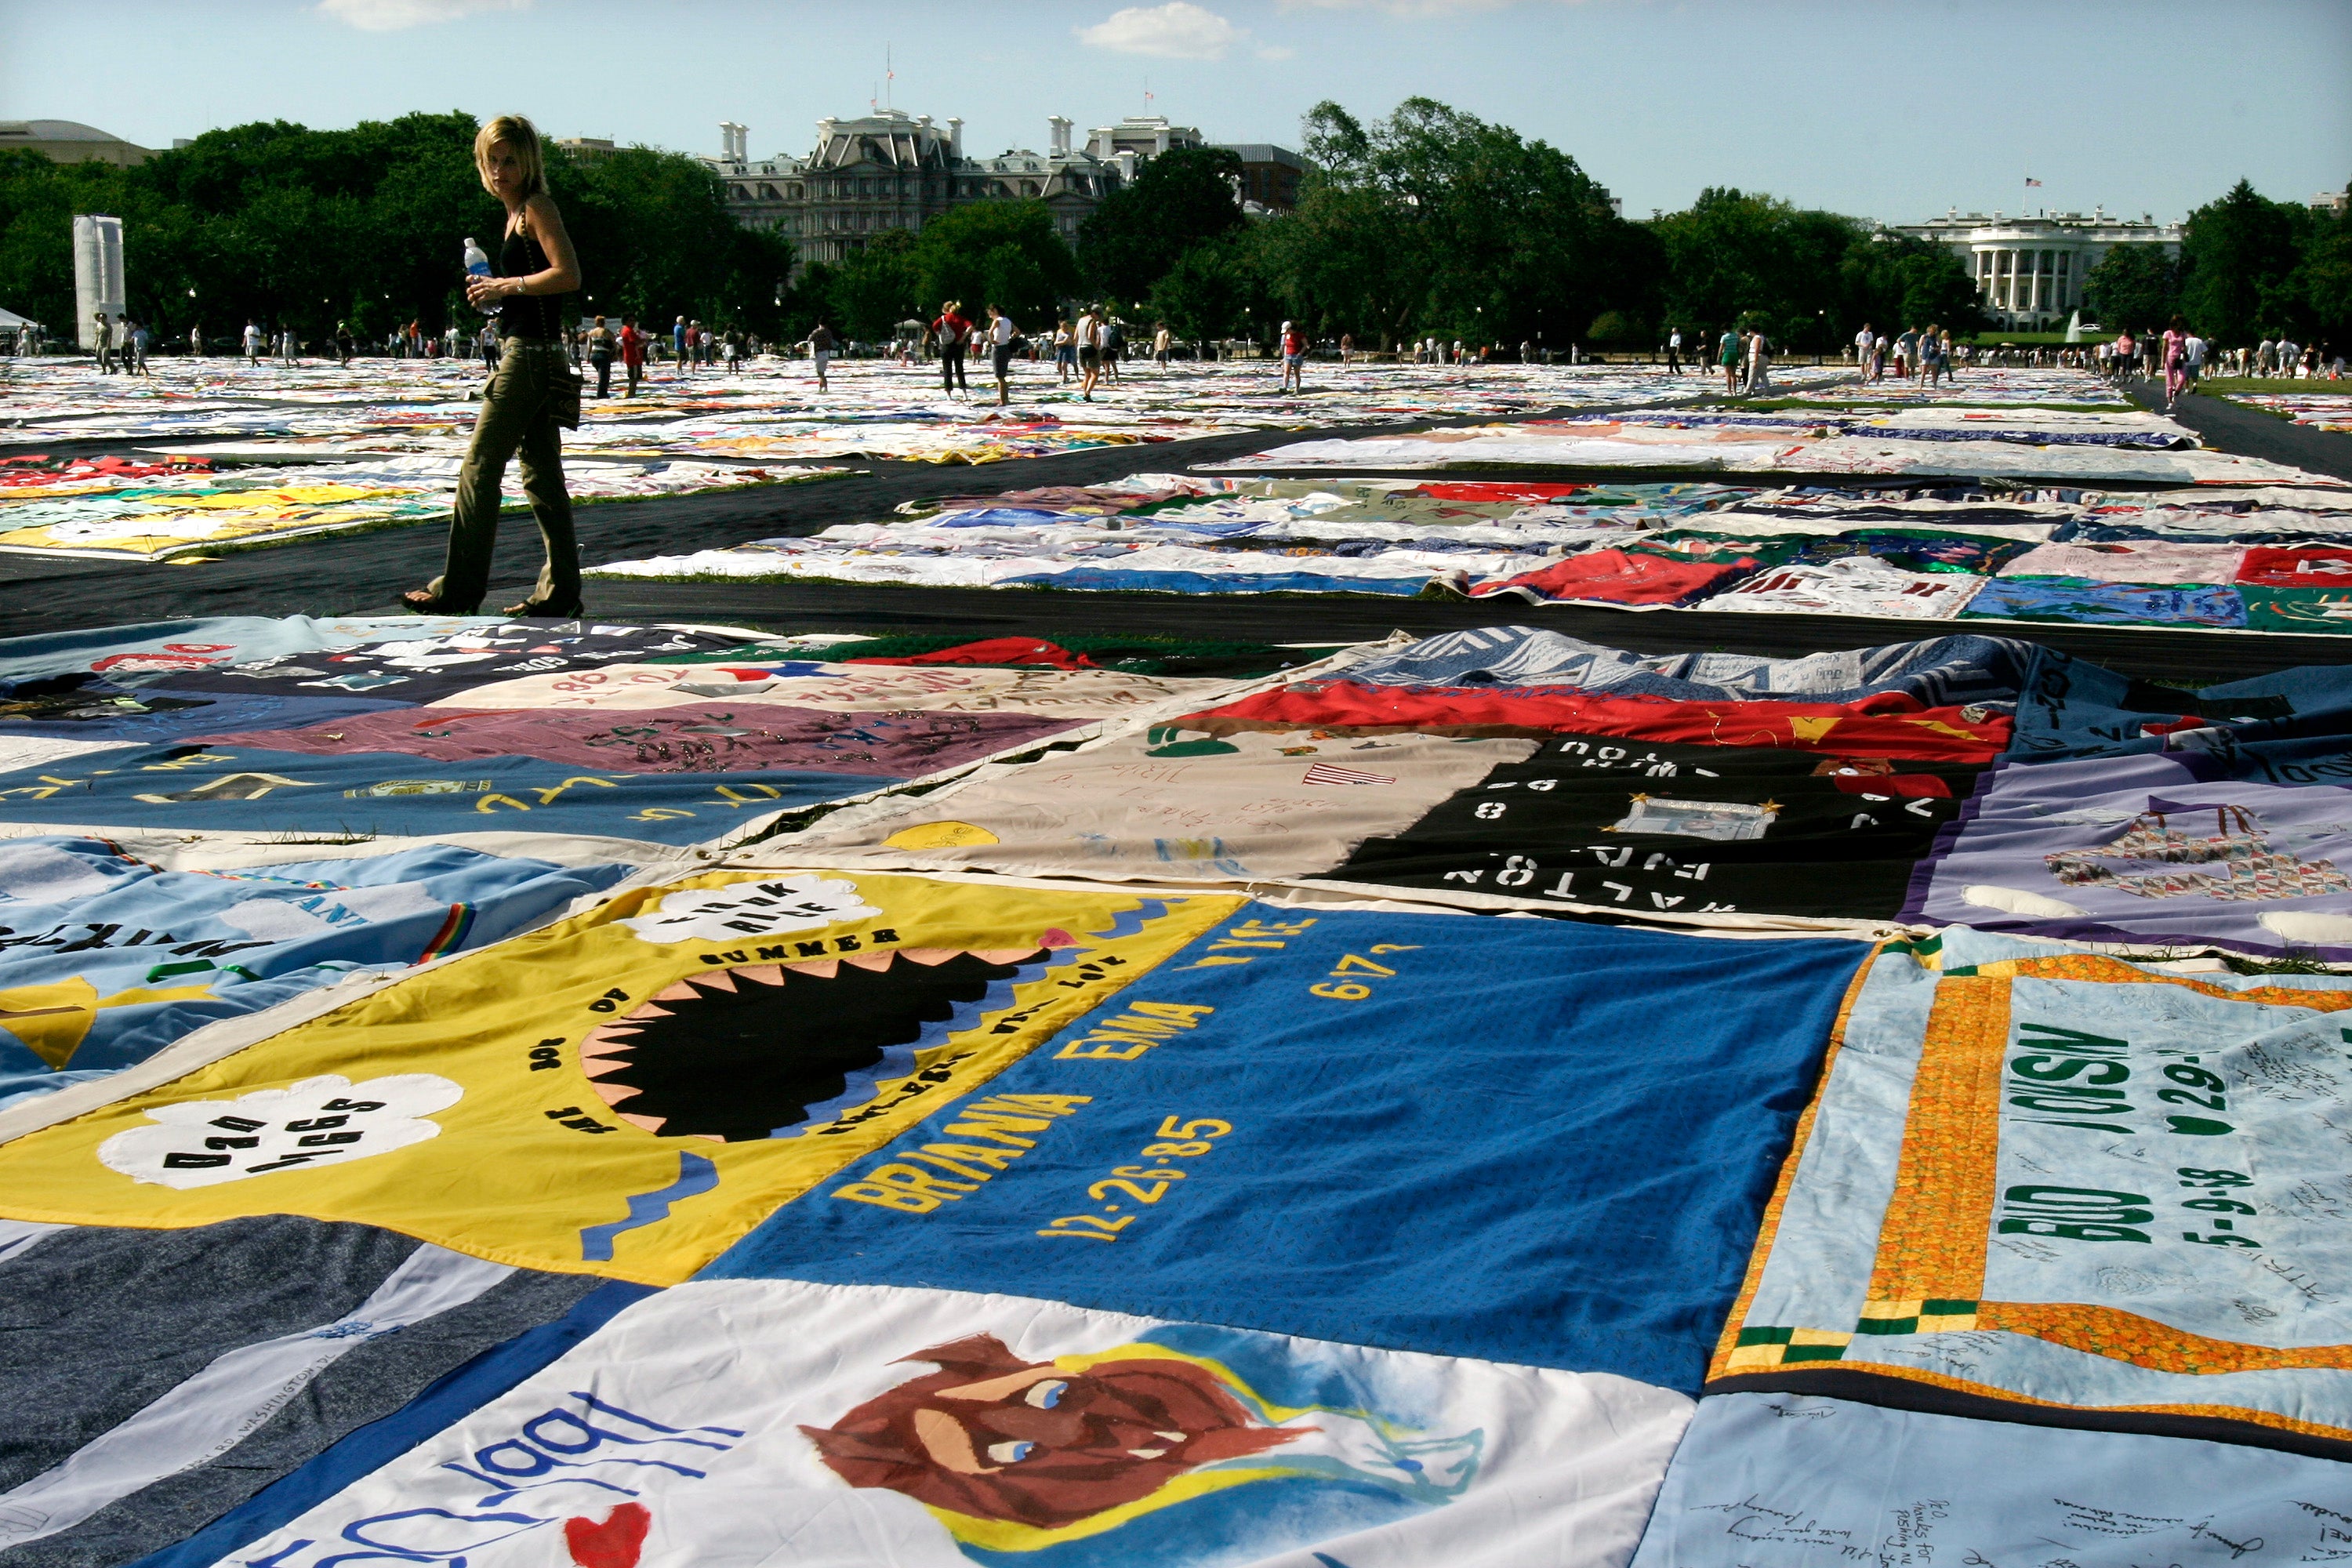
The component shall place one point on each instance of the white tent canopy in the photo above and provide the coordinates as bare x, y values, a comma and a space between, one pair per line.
10, 321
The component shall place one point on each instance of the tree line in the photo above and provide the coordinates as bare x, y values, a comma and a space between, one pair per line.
288, 226
2249, 268
1429, 222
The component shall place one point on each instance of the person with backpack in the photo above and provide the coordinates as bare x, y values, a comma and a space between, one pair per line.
952, 333
600, 356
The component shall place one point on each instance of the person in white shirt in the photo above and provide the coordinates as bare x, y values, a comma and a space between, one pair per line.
1160, 346
1000, 336
252, 343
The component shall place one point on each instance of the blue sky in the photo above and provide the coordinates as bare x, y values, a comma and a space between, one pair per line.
1895, 110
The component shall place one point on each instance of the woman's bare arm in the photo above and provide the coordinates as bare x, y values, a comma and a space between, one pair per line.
561, 275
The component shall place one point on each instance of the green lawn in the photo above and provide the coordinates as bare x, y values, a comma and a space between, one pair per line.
2226, 384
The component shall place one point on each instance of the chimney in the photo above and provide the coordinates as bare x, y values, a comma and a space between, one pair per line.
742, 143
1103, 142
1126, 168
1057, 135
955, 137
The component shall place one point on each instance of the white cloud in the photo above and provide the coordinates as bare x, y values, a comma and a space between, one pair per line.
1176, 31
1275, 52
751, 911
1407, 8
318, 1121
391, 15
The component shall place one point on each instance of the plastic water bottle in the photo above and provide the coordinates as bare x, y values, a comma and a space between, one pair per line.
478, 264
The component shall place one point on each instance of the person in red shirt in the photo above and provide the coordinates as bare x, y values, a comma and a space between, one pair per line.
633, 352
1294, 357
954, 332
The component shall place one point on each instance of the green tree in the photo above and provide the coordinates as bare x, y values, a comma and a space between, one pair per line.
2236, 257
2322, 278
874, 287
292, 226
655, 238
1182, 198
1007, 254
1434, 220
1209, 292
2134, 288
1335, 260
1806, 278
1894, 282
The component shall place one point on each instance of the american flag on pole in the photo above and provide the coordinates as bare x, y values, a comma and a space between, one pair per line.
1325, 774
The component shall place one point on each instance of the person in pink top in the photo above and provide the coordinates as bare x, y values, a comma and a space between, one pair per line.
2175, 362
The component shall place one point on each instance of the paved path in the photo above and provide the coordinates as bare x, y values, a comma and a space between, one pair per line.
2251, 433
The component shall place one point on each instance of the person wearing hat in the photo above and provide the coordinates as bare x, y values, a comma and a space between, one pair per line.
1294, 358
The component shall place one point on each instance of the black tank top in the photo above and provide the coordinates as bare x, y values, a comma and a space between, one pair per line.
526, 315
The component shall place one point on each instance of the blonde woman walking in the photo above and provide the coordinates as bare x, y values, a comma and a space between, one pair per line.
525, 397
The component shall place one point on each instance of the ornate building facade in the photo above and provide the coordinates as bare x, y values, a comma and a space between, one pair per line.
893, 170
2029, 270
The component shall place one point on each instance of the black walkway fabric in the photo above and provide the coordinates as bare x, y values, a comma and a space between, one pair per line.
359, 574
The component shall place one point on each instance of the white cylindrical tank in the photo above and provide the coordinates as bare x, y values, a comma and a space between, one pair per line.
98, 274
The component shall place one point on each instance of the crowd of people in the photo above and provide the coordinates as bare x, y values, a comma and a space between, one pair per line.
1088, 347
